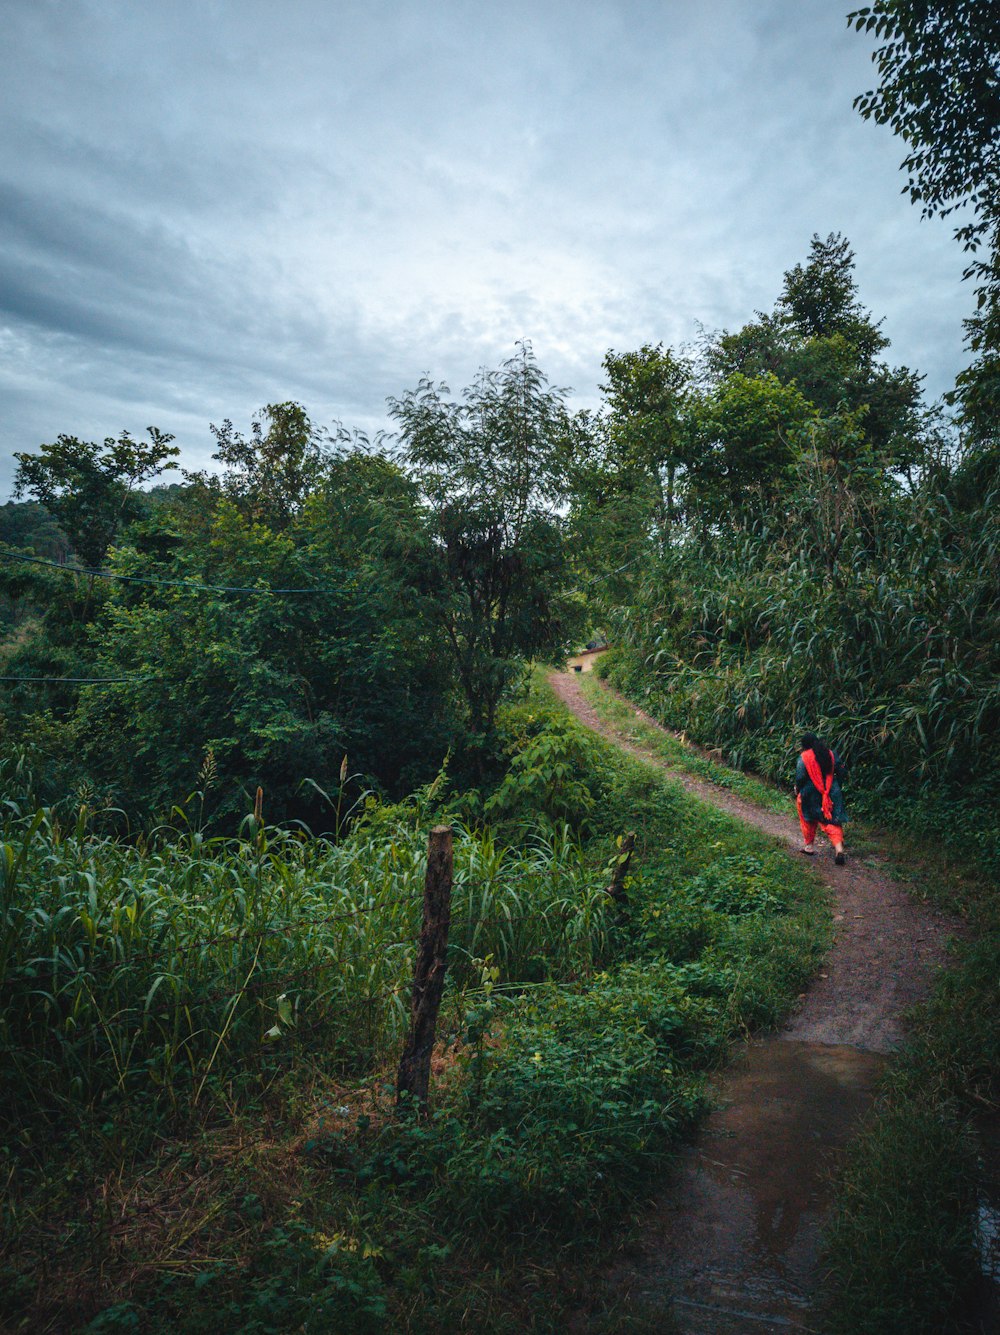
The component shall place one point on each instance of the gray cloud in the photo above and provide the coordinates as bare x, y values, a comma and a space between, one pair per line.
206, 207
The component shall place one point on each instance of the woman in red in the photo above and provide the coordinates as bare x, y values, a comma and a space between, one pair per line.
819, 797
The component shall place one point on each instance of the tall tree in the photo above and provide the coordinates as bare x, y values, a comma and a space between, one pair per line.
269, 473
821, 339
492, 470
278, 686
749, 431
939, 65
645, 391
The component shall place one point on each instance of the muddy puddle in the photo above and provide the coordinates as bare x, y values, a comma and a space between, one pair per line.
740, 1223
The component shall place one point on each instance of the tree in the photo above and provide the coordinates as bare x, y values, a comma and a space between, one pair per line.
270, 474
90, 489
492, 471
940, 91
277, 686
29, 526
822, 340
749, 430
820, 298
645, 392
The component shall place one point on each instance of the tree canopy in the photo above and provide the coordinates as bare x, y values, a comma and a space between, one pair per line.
493, 471
940, 92
90, 488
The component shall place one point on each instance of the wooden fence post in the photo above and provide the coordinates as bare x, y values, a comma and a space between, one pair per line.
617, 887
428, 975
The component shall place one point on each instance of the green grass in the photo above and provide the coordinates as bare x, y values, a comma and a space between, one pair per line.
674, 753
168, 1169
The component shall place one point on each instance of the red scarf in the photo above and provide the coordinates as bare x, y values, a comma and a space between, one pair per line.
822, 783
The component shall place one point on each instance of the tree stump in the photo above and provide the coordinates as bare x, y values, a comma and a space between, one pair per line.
617, 887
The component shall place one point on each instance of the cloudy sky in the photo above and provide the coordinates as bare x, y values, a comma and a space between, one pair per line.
209, 205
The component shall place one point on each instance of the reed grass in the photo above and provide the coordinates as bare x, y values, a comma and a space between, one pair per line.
164, 967
744, 640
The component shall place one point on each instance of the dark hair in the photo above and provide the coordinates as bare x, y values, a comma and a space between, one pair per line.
824, 757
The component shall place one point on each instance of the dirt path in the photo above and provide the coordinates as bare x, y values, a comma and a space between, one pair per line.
731, 1243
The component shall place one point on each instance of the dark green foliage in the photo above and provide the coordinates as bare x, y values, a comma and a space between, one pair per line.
548, 777
140, 981
868, 616
649, 443
302, 1279
576, 1106
90, 489
316, 599
149, 973
277, 687
821, 341
269, 476
28, 527
748, 428
492, 471
794, 417
902, 1244
940, 92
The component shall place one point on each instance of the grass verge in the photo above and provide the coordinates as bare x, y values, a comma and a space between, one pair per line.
911, 1241
674, 753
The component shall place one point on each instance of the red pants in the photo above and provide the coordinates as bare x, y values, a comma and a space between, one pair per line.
834, 833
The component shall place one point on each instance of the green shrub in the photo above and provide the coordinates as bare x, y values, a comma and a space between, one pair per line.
902, 1240
902, 1243
301, 1279
548, 778
583, 1032
573, 1108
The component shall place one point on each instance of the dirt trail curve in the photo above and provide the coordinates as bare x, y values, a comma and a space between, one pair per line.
731, 1244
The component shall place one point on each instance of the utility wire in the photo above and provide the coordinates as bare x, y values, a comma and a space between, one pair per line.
88, 681
190, 584
617, 571
227, 588
149, 579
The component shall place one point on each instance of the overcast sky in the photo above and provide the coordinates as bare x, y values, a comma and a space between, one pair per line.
209, 205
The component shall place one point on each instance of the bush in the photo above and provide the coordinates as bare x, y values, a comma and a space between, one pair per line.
548, 778
902, 1244
902, 1241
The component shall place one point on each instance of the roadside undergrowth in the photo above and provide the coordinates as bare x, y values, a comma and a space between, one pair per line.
222, 1150
672, 751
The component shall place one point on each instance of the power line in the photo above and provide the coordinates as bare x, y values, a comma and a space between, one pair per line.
605, 576
150, 579
190, 584
89, 681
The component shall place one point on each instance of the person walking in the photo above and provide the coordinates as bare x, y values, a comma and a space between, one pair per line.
819, 796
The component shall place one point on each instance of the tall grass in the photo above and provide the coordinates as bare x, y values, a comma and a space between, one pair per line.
171, 966
744, 639
177, 959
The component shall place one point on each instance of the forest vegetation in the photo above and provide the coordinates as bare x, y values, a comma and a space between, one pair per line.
232, 703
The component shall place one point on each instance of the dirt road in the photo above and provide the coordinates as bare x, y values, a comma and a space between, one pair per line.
731, 1245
